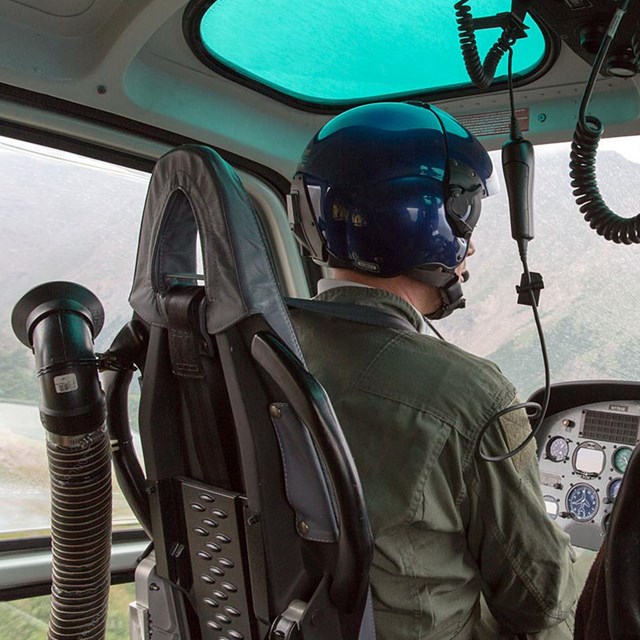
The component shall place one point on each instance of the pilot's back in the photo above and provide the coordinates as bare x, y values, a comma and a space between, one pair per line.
411, 407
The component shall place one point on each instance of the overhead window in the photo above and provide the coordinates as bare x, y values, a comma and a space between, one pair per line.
346, 51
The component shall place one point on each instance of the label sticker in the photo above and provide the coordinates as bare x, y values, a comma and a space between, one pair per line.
492, 123
619, 407
66, 383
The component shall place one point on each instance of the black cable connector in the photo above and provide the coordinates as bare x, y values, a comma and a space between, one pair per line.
533, 285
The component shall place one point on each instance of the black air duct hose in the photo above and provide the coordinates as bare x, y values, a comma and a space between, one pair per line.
59, 321
118, 364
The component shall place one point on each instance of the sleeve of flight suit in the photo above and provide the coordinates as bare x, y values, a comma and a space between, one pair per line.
525, 561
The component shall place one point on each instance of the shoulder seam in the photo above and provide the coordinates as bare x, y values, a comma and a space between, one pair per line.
390, 396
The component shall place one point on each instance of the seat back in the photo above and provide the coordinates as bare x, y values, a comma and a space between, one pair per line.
256, 512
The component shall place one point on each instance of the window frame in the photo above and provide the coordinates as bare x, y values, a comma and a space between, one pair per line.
267, 190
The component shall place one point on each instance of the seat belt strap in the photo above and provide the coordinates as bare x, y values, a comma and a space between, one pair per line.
188, 363
353, 312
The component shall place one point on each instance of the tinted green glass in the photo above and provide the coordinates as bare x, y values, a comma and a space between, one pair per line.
346, 50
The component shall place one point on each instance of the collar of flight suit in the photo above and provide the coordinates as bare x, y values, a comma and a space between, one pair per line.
332, 290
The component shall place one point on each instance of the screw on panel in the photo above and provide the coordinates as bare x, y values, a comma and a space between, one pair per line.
542, 117
101, 89
316, 617
275, 411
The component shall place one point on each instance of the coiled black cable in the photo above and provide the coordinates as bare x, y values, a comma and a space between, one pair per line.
635, 47
584, 149
481, 73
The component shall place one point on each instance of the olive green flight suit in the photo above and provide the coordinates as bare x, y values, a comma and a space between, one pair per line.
446, 525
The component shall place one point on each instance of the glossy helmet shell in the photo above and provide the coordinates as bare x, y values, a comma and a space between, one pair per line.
371, 189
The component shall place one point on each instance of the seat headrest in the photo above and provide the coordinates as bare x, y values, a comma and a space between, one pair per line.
192, 192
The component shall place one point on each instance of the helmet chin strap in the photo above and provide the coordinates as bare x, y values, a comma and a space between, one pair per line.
448, 285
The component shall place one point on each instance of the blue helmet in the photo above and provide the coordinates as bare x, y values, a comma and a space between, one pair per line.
391, 188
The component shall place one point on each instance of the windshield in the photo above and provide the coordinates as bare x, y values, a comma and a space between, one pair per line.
589, 306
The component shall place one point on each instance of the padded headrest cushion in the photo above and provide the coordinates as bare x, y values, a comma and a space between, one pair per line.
194, 192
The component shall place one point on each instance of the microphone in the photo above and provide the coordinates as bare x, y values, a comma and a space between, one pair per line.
518, 167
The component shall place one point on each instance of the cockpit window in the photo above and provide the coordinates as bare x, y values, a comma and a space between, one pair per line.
64, 217
343, 52
588, 307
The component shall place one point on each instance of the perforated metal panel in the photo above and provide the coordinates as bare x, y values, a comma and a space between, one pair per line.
613, 427
213, 518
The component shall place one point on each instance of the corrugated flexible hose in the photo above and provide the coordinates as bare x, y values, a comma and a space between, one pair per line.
80, 472
59, 321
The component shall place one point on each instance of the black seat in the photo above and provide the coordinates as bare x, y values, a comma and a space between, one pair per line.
609, 606
255, 509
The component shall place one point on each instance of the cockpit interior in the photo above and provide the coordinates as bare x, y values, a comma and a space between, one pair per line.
169, 467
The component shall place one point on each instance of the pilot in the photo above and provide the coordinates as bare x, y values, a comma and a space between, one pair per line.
387, 196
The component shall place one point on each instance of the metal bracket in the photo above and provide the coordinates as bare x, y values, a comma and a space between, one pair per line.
316, 620
512, 22
158, 611
287, 625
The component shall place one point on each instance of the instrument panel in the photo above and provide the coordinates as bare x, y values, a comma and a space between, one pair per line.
584, 452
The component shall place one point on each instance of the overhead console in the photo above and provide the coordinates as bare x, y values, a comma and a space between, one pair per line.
581, 24
584, 446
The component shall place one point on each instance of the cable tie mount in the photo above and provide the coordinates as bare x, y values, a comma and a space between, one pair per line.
534, 285
508, 22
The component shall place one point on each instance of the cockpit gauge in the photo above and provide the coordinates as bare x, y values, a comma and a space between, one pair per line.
613, 488
621, 459
552, 506
589, 459
583, 502
557, 449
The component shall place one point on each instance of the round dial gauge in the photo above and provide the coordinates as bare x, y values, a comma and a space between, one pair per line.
557, 449
583, 502
621, 458
589, 459
552, 506
613, 488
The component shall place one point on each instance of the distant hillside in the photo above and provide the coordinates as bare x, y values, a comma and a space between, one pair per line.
588, 308
80, 225
85, 229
